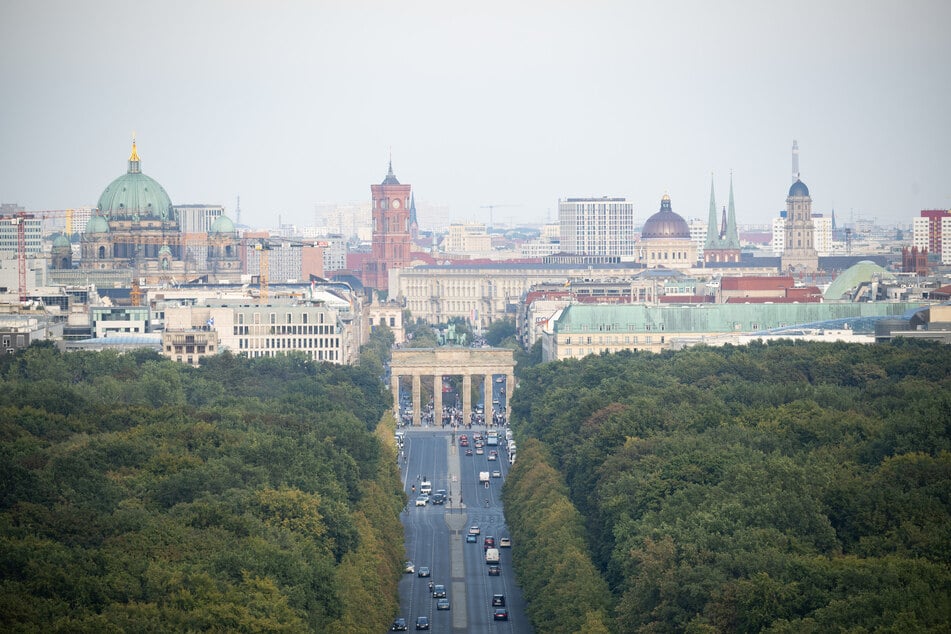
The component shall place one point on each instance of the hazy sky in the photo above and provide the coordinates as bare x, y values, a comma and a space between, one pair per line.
290, 103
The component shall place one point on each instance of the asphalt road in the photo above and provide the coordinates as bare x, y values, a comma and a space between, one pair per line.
435, 536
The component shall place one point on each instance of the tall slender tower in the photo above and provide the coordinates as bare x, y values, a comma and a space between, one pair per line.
795, 160
391, 232
799, 254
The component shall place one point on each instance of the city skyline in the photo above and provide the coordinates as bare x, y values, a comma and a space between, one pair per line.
511, 106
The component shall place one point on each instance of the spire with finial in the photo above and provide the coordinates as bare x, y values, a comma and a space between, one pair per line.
390, 176
134, 158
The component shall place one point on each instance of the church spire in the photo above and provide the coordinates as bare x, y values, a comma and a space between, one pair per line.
713, 233
731, 236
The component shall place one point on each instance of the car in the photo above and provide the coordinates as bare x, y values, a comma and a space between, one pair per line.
409, 567
472, 538
505, 542
498, 600
423, 571
422, 500
479, 451
499, 379
493, 455
399, 625
495, 570
474, 529
439, 591
422, 622
468, 452
442, 604
496, 474
500, 614
439, 497
488, 542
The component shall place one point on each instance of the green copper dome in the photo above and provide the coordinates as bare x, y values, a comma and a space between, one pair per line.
135, 195
60, 242
97, 224
222, 224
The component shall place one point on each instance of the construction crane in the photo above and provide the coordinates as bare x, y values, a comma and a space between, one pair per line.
19, 219
491, 208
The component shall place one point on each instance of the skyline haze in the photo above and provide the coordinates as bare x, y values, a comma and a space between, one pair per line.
287, 104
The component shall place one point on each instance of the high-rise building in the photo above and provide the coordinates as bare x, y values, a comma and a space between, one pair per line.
390, 246
597, 226
928, 232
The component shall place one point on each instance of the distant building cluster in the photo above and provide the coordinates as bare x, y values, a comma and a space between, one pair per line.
191, 281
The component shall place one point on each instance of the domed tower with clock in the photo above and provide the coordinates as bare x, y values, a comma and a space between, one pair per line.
391, 231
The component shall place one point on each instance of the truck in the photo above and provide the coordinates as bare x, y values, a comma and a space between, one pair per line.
426, 488
484, 478
492, 556
492, 438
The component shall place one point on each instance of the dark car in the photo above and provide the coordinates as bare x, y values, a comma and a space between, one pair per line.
423, 571
439, 591
399, 625
498, 600
500, 614
422, 622
442, 604
472, 539
488, 542
495, 570
468, 452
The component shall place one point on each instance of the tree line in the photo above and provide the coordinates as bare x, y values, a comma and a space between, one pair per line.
137, 494
788, 487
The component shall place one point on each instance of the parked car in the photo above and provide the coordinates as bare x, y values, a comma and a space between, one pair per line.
422, 622
442, 604
500, 614
409, 567
439, 591
498, 600
505, 542
399, 625
423, 571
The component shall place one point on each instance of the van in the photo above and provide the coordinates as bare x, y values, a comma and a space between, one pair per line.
426, 488
492, 556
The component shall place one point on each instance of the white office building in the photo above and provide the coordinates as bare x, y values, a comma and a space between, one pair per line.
597, 226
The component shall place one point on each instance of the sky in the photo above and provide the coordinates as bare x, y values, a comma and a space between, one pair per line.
511, 104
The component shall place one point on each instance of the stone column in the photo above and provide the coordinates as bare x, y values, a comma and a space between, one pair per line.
437, 400
395, 383
487, 390
417, 405
509, 388
466, 398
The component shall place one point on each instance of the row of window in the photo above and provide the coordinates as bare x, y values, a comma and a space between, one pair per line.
306, 343
272, 318
284, 330
615, 340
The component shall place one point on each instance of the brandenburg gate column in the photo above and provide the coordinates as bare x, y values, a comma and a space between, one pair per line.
417, 406
489, 409
437, 400
466, 399
395, 383
509, 388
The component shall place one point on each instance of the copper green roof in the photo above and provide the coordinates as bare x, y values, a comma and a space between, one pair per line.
97, 224
222, 224
135, 195
713, 318
850, 279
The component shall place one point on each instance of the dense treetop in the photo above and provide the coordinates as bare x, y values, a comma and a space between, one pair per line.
788, 487
137, 494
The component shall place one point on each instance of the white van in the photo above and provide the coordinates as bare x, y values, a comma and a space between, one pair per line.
492, 556
426, 488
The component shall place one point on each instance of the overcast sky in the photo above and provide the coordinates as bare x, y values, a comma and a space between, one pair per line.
291, 103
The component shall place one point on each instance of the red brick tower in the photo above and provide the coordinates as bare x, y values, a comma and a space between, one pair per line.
391, 231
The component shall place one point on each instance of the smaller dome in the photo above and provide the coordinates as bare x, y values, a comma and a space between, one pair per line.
222, 224
60, 242
799, 189
665, 224
97, 224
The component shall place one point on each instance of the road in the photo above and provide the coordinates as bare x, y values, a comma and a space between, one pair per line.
435, 536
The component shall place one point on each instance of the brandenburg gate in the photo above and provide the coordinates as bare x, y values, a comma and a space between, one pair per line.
449, 361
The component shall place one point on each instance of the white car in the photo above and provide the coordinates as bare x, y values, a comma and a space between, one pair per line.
422, 500
496, 474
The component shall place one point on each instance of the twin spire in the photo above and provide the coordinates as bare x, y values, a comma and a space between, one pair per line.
726, 236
